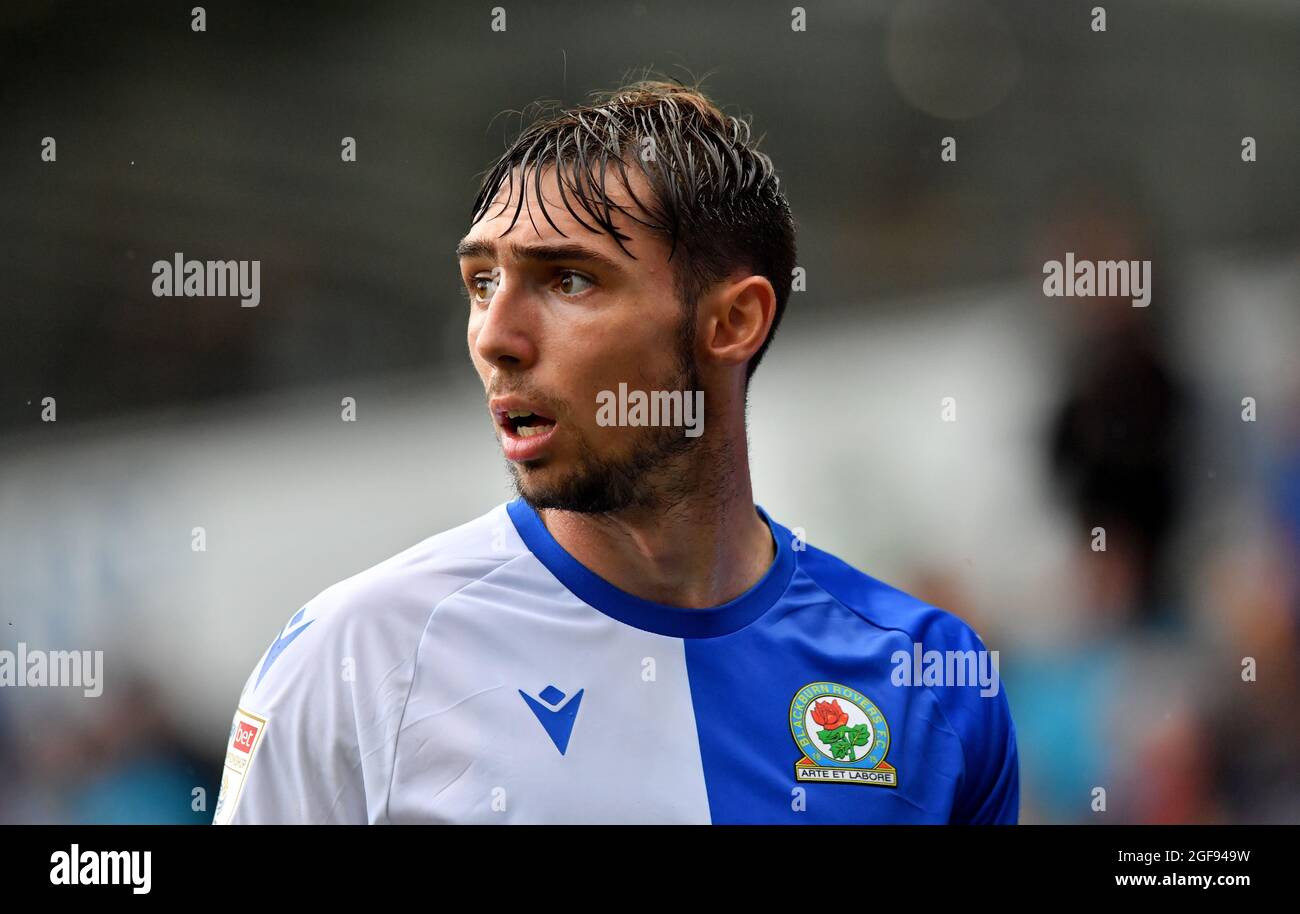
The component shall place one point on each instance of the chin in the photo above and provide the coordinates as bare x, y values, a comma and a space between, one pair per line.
549, 489
538, 480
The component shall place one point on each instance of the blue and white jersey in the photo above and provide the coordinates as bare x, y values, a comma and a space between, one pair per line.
486, 676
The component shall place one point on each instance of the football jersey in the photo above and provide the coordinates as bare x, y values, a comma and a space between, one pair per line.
485, 675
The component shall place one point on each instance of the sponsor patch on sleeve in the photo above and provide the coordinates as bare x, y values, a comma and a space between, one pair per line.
247, 733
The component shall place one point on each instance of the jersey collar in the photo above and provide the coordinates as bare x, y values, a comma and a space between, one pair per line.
673, 621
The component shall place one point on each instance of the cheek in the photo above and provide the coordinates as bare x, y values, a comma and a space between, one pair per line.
635, 330
472, 323
599, 365
641, 349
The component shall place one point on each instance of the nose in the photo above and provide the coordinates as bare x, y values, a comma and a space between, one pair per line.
505, 335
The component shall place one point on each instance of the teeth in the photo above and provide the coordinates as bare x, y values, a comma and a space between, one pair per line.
527, 431
518, 413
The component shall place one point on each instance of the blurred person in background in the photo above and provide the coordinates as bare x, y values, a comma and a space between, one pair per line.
1119, 437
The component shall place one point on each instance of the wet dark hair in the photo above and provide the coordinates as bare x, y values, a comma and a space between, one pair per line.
713, 194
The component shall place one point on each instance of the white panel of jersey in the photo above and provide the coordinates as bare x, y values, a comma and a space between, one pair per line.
404, 703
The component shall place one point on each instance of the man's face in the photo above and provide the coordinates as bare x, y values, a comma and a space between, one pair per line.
555, 320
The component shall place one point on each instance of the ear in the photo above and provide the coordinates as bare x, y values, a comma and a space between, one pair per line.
736, 319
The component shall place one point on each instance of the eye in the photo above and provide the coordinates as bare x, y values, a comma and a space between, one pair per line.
574, 283
482, 287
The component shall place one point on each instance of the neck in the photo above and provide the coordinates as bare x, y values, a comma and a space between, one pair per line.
695, 551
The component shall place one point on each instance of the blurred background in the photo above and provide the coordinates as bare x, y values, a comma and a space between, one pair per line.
924, 282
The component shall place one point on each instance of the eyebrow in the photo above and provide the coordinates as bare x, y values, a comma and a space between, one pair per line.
543, 253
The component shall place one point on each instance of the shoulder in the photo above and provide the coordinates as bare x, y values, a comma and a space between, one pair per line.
936, 651
416, 579
322, 707
370, 621
885, 606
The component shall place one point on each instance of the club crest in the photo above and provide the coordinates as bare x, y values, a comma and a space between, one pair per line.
843, 737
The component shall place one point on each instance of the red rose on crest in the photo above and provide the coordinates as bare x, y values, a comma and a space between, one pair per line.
829, 714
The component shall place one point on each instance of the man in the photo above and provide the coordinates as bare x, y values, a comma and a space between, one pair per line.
632, 639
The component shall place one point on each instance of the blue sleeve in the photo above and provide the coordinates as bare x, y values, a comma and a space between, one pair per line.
989, 793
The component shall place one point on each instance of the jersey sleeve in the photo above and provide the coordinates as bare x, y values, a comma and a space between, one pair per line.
293, 755
989, 791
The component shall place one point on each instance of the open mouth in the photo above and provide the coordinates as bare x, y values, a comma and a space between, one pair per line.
525, 423
526, 434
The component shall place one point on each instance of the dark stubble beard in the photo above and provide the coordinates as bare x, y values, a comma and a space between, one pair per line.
659, 469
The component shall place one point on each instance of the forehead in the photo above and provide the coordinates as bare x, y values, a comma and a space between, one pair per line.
644, 243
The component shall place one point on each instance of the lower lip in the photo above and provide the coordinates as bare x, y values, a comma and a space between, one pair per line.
517, 447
